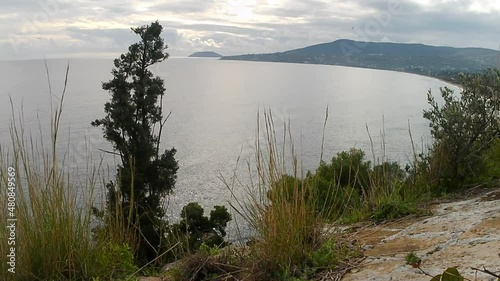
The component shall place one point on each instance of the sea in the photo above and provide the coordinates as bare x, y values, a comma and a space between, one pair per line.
216, 114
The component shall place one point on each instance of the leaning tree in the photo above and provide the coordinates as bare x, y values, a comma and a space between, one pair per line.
133, 124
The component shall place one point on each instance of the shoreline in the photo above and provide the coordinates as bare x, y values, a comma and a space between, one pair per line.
363, 67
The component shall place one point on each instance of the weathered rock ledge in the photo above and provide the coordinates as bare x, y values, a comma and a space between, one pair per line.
464, 234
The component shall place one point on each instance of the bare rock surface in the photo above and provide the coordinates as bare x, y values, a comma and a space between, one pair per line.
464, 234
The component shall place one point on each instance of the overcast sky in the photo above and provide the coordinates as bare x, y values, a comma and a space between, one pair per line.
93, 28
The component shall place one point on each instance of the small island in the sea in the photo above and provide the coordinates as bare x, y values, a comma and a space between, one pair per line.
205, 55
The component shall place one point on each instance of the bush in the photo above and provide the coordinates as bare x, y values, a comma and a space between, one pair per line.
195, 229
392, 209
339, 186
463, 128
324, 256
347, 168
386, 173
349, 189
115, 261
492, 163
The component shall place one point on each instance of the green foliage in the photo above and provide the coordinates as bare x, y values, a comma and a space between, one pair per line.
392, 210
386, 174
115, 261
393, 202
412, 259
133, 124
450, 274
350, 189
288, 213
209, 251
492, 163
464, 127
196, 231
282, 211
347, 169
325, 256
338, 187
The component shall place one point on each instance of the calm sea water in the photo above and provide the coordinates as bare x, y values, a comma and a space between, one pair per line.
214, 107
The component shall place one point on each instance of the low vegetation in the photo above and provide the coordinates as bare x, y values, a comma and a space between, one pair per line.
350, 189
53, 239
294, 215
195, 231
464, 128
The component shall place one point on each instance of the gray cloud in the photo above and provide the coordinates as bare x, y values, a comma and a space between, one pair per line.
64, 28
184, 6
445, 24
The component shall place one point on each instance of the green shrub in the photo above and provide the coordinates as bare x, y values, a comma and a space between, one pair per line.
288, 212
281, 210
203, 266
386, 174
340, 186
463, 128
115, 261
389, 210
413, 260
396, 199
196, 230
209, 250
325, 255
347, 168
356, 192
492, 163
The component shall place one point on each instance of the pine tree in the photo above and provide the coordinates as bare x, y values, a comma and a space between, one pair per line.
133, 124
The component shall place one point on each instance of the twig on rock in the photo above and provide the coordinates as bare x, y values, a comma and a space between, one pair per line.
484, 270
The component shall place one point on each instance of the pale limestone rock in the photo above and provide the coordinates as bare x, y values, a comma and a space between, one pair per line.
464, 234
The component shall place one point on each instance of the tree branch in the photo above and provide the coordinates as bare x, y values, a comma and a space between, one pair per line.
484, 270
110, 152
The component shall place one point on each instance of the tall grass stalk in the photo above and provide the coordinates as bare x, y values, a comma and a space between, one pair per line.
393, 192
53, 229
291, 214
282, 213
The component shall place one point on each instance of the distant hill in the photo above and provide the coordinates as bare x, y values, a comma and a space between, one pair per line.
205, 55
441, 62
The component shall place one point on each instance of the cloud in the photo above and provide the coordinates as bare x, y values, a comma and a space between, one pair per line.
184, 6
443, 23
52, 28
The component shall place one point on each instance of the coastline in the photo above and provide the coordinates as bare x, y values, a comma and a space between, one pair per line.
440, 78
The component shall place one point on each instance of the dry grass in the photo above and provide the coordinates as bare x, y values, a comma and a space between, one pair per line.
54, 218
281, 210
